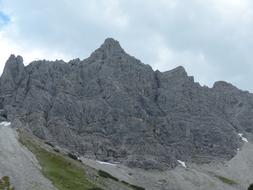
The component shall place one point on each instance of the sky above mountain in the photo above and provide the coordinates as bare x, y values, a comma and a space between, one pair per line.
212, 39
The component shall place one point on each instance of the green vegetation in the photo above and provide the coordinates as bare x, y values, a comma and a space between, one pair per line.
106, 175
250, 187
5, 183
64, 173
226, 180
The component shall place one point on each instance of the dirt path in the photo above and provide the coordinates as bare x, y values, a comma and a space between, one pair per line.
19, 163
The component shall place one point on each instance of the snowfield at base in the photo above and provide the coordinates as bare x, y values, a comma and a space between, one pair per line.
5, 124
106, 163
182, 163
243, 138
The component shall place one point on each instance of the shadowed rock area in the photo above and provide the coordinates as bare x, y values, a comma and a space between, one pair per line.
112, 107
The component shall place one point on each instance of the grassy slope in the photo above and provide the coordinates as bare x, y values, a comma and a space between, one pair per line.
64, 173
226, 180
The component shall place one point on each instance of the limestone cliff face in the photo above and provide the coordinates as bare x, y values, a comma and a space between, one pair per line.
111, 106
12, 74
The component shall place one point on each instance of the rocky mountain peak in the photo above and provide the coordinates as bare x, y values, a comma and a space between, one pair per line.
111, 43
114, 108
14, 64
12, 73
222, 85
178, 71
14, 60
110, 48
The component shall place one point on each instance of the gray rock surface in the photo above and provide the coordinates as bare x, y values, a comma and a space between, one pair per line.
112, 107
237, 172
19, 163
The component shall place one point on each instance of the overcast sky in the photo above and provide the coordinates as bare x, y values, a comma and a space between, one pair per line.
212, 39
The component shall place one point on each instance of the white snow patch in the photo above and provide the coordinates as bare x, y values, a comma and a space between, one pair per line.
5, 124
106, 163
243, 138
182, 163
79, 158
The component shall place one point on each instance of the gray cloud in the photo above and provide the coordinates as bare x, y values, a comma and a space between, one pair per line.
212, 39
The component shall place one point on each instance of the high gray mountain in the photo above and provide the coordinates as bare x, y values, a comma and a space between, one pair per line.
112, 107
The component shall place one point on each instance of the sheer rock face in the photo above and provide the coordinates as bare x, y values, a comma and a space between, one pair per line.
12, 74
112, 107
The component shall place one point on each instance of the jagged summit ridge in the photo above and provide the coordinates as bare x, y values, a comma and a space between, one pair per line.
112, 107
178, 71
224, 85
110, 48
13, 63
12, 73
111, 43
18, 59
